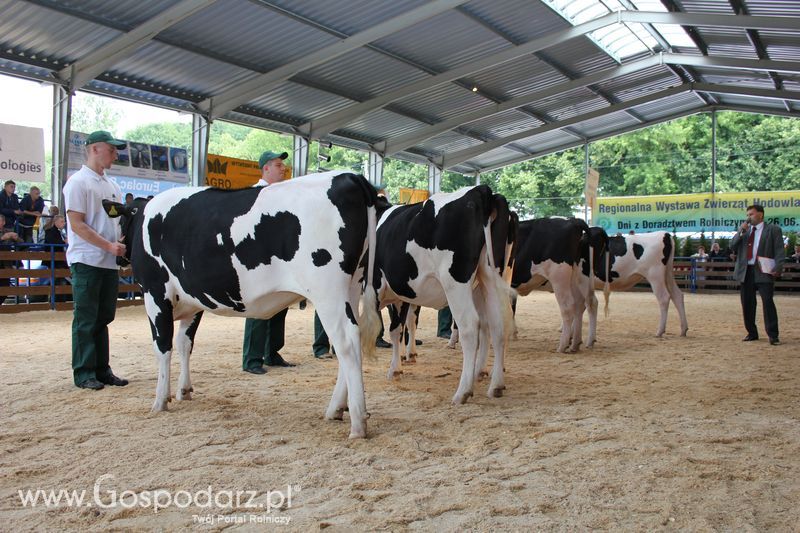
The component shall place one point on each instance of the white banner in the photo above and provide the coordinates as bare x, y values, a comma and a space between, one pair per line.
137, 160
21, 153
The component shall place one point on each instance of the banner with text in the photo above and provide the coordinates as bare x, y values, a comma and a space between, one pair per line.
138, 160
230, 172
694, 212
21, 153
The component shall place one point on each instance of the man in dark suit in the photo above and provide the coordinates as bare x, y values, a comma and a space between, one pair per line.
758, 246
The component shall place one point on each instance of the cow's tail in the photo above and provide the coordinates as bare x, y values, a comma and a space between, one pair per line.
495, 285
607, 284
369, 321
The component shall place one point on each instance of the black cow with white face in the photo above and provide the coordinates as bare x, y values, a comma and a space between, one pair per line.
252, 253
438, 253
644, 257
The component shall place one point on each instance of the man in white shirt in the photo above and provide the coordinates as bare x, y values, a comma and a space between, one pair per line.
264, 338
759, 260
94, 247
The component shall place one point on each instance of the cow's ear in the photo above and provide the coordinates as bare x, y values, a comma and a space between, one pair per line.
115, 209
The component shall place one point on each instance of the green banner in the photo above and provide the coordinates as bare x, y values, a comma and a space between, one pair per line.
694, 212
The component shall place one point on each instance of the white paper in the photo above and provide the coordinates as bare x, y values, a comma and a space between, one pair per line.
766, 264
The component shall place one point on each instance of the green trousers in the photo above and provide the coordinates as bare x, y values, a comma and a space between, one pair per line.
322, 344
263, 339
94, 294
445, 322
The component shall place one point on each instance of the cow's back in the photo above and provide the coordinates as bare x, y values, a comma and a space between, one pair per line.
226, 249
634, 258
556, 240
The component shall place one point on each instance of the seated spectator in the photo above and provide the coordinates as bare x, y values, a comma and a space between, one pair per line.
796, 255
701, 254
7, 235
49, 218
57, 233
32, 205
716, 254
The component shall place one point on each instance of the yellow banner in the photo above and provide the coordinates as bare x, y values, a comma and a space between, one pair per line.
413, 196
231, 173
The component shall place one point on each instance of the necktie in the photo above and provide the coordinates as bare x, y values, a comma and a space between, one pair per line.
751, 240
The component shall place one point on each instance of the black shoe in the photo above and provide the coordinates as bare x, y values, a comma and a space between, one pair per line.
91, 383
750, 338
444, 335
326, 355
417, 342
258, 370
279, 361
775, 341
111, 379
380, 343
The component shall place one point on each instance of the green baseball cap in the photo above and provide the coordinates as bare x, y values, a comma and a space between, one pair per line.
101, 136
269, 156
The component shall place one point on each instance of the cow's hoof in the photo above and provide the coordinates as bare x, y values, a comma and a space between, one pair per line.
683, 333
483, 374
185, 394
158, 406
358, 434
451, 345
496, 392
336, 414
393, 374
460, 400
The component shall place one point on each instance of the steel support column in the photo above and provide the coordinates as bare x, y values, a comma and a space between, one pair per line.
375, 168
200, 130
62, 116
434, 179
300, 156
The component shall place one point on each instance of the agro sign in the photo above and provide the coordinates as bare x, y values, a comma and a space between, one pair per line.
694, 212
231, 173
21, 153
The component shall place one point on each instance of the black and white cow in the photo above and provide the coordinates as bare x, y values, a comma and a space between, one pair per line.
640, 257
433, 254
549, 255
252, 253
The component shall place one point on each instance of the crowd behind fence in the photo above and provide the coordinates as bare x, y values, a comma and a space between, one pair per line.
36, 277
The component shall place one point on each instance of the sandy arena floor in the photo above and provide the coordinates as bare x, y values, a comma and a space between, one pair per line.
638, 433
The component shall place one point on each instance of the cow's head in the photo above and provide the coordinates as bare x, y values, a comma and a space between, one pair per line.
131, 216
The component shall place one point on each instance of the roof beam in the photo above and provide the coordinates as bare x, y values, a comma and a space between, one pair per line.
757, 110
406, 141
400, 143
456, 158
464, 155
567, 146
218, 105
95, 63
324, 125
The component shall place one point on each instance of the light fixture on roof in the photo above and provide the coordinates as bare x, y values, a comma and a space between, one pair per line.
474, 89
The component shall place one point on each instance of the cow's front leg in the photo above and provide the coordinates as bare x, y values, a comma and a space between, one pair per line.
162, 328
184, 344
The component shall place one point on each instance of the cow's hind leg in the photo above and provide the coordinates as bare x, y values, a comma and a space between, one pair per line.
396, 318
591, 306
344, 335
184, 343
459, 298
162, 327
662, 295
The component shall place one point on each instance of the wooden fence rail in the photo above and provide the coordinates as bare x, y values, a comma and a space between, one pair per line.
694, 275
23, 287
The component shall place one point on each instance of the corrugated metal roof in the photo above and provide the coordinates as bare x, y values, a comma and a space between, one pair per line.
213, 51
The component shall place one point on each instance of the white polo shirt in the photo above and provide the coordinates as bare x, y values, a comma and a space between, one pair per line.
84, 193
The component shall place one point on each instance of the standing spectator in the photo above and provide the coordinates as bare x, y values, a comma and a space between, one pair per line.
757, 244
94, 247
128, 199
9, 204
264, 338
32, 206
